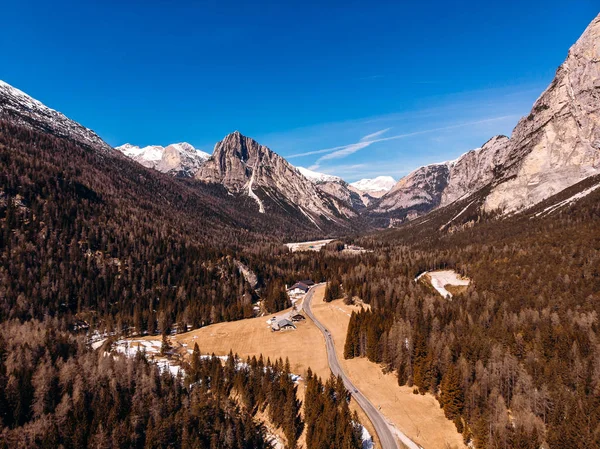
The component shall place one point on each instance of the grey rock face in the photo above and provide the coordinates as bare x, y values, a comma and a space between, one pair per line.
244, 166
475, 169
24, 110
420, 190
344, 193
558, 144
181, 159
177, 159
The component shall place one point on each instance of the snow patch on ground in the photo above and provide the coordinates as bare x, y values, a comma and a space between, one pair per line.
457, 215
440, 279
152, 349
367, 439
254, 196
570, 200
315, 245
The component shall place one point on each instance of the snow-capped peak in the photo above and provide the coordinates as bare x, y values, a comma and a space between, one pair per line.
189, 148
181, 159
317, 177
378, 184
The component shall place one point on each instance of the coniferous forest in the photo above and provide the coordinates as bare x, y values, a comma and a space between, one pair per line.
514, 361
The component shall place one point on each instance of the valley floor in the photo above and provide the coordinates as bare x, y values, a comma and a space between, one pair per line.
417, 416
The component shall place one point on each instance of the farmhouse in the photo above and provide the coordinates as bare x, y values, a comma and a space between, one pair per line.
300, 287
283, 325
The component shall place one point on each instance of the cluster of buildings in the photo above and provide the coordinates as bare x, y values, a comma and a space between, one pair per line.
287, 323
295, 292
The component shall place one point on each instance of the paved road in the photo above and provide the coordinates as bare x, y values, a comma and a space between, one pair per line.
381, 427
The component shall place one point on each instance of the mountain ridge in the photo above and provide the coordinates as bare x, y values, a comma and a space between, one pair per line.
556, 146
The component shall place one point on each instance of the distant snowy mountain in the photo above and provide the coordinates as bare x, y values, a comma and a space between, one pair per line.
179, 159
336, 187
20, 108
376, 186
317, 177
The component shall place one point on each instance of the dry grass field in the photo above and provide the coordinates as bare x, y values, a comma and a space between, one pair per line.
419, 417
304, 347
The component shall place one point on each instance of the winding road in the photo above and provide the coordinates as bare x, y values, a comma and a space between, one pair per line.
386, 435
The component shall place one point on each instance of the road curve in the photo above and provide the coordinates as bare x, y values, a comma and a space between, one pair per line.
386, 437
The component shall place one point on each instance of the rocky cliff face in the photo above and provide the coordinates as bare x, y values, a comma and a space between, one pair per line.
556, 146
418, 192
243, 166
475, 169
24, 110
177, 159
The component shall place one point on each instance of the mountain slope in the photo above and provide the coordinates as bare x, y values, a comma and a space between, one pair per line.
178, 159
337, 188
244, 167
554, 147
20, 108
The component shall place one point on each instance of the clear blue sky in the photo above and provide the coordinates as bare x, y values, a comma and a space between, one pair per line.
301, 77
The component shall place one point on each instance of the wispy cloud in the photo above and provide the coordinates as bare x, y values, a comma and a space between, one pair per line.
375, 134
364, 142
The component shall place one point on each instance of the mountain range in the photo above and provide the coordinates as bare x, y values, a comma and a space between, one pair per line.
556, 146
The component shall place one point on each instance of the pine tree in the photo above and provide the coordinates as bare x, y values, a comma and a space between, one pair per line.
351, 338
451, 395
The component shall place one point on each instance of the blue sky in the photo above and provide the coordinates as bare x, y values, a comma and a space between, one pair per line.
352, 88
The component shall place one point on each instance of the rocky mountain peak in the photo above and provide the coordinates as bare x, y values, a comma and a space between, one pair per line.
243, 166
554, 147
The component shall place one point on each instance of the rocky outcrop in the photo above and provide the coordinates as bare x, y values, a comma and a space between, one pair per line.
335, 187
20, 108
243, 166
419, 191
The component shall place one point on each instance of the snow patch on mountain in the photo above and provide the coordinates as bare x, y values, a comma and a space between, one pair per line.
378, 184
317, 177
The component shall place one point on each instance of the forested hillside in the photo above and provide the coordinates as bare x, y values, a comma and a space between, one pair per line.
95, 236
514, 361
55, 392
